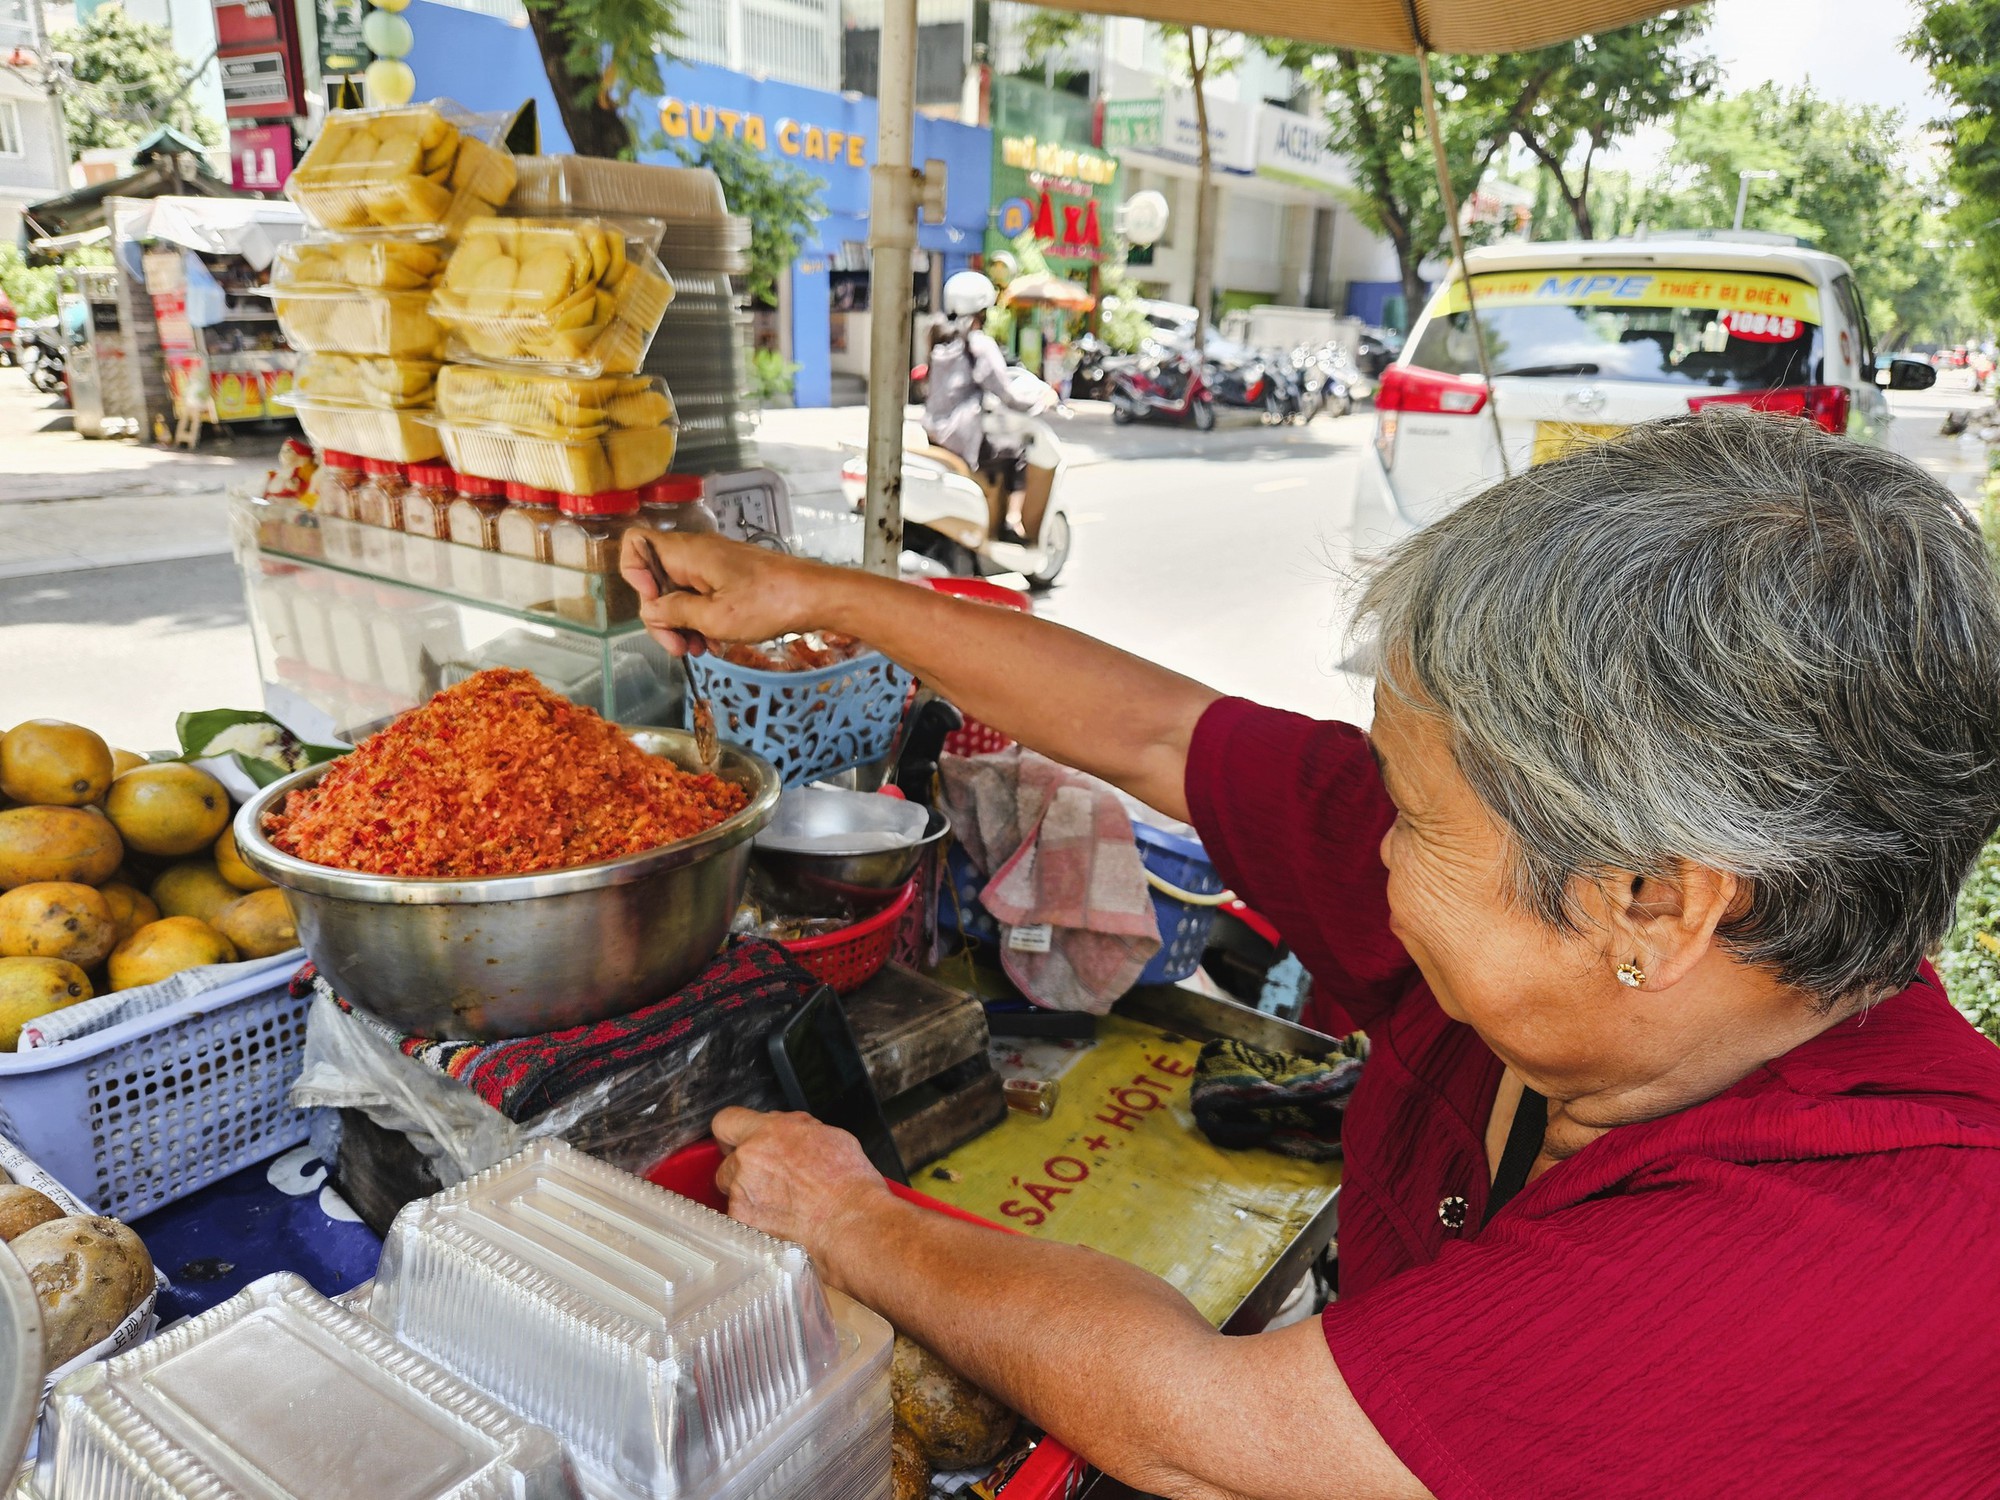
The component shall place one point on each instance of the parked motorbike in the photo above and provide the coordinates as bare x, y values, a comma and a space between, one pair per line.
39, 351
1167, 386
954, 516
1255, 384
1096, 366
1325, 380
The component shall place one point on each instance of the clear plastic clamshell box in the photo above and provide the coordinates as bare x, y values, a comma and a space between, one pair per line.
575, 295
386, 265
621, 458
401, 436
592, 185
678, 1354
566, 407
367, 380
418, 171
278, 1394
354, 320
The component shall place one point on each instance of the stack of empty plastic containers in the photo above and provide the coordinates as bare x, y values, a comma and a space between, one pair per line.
703, 351
673, 1354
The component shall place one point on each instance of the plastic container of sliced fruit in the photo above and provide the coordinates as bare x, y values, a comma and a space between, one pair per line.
403, 436
377, 265
558, 406
417, 171
366, 380
616, 458
578, 296
350, 320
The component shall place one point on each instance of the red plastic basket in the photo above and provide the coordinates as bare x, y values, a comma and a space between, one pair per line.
1052, 1472
977, 738
849, 958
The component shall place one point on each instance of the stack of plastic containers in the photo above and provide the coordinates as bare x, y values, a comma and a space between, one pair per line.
677, 1354
386, 189
278, 1392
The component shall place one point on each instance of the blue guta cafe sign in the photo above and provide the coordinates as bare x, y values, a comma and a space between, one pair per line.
832, 136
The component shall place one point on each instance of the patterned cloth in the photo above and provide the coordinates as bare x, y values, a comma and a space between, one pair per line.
752, 984
1243, 1096
1066, 882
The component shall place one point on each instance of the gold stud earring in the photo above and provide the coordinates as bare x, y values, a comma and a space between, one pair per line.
1631, 975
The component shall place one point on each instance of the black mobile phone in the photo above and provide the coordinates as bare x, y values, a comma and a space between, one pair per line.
820, 1069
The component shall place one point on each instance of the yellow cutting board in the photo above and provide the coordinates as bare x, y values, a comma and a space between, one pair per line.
1121, 1167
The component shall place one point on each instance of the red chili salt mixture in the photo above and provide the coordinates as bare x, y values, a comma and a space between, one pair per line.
496, 776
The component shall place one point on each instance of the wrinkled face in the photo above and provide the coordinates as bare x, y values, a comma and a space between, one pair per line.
1534, 994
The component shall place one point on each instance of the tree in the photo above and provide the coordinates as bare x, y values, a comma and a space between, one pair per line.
1959, 40
598, 54
1594, 90
1201, 62
123, 80
1842, 186
781, 201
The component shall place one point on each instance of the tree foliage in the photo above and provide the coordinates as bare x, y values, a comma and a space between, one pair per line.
598, 53
1588, 93
123, 80
1843, 186
1203, 54
1959, 40
781, 201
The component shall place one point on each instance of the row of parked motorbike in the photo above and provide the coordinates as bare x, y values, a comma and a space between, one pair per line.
37, 347
1168, 384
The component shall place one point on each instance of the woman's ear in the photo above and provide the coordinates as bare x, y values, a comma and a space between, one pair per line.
1664, 925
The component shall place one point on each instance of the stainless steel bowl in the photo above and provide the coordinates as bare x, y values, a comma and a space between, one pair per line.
803, 882
515, 955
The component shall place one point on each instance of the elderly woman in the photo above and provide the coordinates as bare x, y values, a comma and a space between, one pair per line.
1672, 1171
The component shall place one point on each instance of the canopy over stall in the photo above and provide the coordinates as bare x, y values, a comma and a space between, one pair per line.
1412, 27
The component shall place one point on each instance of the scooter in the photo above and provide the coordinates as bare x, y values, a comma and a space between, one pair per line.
39, 351
1169, 387
952, 514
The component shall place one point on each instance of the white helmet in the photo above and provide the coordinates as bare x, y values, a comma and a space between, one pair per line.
968, 292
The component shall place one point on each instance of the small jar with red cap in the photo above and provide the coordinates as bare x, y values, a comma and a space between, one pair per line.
525, 525
587, 540
427, 502
676, 503
339, 476
474, 517
379, 499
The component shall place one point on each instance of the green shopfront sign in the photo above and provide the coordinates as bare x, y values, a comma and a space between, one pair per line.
1134, 124
1048, 179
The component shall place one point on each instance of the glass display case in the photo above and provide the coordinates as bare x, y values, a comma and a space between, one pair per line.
355, 623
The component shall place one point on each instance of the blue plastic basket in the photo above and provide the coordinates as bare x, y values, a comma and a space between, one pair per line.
1184, 928
808, 724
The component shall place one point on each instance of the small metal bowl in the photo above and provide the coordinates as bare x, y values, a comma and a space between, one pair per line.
804, 882
517, 955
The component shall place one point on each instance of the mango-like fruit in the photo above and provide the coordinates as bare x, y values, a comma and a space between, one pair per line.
48, 763
170, 809
193, 888
161, 949
32, 987
56, 919
57, 843
230, 863
259, 924
131, 908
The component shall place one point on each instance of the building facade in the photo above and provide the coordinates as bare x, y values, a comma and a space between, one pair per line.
34, 151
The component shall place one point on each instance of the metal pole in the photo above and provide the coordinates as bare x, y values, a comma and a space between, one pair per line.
1450, 200
892, 236
1742, 197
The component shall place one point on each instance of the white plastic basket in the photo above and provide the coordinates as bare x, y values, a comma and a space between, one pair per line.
146, 1112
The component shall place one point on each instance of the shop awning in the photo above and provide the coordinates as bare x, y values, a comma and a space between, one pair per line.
250, 227
1045, 289
1406, 26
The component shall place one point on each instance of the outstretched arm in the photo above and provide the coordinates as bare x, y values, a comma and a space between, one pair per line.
1068, 695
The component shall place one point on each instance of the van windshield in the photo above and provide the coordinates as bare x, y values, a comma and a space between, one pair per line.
1717, 329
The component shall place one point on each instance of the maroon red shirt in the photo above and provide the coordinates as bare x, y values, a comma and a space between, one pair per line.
1792, 1289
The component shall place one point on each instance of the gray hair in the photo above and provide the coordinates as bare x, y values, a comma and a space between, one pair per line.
1729, 639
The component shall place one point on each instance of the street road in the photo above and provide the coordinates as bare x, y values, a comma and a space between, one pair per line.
1223, 556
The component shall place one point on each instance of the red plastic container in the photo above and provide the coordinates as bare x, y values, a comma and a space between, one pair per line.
849, 958
977, 738
1051, 1472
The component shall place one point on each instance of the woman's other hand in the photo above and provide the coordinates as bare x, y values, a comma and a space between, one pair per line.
791, 1176
722, 590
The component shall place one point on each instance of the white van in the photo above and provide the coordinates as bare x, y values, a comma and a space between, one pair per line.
1588, 337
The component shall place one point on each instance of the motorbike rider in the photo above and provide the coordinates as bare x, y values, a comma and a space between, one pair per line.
965, 366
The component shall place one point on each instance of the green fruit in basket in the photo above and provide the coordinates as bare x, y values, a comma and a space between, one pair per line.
30, 988
169, 809
162, 949
57, 843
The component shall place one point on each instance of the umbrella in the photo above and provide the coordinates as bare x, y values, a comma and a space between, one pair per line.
1412, 27
1046, 289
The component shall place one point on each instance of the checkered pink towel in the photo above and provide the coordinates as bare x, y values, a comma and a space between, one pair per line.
1065, 881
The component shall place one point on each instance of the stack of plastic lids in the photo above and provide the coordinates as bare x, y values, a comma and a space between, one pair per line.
704, 346
677, 1354
547, 322
386, 189
280, 1393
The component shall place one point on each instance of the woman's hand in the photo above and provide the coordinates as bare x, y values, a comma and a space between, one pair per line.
793, 1177
728, 591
